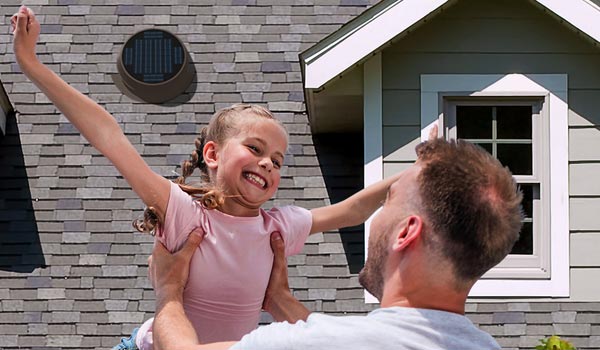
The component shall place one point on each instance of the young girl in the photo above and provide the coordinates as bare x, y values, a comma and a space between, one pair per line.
240, 155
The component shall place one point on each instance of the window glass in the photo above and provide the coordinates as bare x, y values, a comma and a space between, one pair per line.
517, 157
486, 146
525, 243
506, 132
514, 122
474, 122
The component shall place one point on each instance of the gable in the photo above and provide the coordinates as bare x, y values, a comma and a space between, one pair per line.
389, 20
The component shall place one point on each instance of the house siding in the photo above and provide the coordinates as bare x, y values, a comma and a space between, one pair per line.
485, 37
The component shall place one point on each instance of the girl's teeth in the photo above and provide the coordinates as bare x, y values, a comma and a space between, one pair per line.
255, 179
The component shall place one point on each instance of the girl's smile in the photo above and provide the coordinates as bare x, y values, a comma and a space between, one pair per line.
255, 179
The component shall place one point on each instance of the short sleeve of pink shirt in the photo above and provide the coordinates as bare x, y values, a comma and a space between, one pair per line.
184, 214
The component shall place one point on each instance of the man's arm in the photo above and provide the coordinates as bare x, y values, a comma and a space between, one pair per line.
279, 301
169, 274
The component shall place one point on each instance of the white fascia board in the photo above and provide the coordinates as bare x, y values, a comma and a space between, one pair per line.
582, 14
340, 55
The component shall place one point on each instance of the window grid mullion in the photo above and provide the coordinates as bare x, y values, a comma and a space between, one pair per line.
501, 142
494, 133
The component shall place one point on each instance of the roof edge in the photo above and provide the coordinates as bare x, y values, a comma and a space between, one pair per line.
384, 21
6, 108
361, 37
582, 14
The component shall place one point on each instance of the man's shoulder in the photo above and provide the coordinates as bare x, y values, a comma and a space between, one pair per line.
387, 328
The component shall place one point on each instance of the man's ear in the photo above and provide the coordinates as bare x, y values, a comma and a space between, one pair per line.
210, 154
409, 230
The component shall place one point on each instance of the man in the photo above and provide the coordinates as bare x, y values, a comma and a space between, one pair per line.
448, 219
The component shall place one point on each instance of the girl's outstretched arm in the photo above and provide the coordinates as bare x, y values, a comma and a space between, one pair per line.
352, 211
357, 208
94, 123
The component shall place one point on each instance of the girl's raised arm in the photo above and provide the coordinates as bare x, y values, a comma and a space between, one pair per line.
94, 123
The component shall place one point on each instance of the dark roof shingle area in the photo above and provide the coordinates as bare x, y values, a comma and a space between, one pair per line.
79, 278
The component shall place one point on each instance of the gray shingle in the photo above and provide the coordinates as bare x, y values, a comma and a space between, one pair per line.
243, 2
38, 282
273, 67
8, 340
68, 341
564, 316
51, 28
572, 329
509, 317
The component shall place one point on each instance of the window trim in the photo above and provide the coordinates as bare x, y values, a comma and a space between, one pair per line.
537, 265
373, 131
552, 88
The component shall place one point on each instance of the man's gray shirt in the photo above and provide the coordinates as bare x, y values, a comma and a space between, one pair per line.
387, 328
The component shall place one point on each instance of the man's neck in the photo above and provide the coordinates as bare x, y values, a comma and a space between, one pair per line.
426, 298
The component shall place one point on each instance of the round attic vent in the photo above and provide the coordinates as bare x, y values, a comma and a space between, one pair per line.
155, 65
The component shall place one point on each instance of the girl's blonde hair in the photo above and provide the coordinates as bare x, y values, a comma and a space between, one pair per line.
224, 124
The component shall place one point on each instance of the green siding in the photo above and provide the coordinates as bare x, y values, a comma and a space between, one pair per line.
503, 37
583, 179
584, 249
584, 107
584, 145
585, 284
584, 213
401, 107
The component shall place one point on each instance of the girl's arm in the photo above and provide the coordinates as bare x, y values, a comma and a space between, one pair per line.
359, 207
94, 123
352, 211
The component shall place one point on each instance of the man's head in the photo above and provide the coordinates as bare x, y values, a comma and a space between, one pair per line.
461, 205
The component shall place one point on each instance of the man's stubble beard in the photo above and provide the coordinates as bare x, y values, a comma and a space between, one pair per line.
371, 276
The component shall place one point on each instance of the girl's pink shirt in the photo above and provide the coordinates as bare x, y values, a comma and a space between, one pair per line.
230, 270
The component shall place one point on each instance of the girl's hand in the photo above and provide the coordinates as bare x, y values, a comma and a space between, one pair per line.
26, 30
433, 133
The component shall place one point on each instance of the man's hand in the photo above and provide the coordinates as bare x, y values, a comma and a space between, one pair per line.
169, 272
278, 282
26, 30
279, 301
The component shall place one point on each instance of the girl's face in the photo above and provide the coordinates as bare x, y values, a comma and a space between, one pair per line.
248, 166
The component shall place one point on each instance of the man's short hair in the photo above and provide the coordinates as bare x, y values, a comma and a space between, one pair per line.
472, 203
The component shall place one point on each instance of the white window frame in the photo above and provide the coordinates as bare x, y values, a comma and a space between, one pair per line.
536, 265
552, 88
